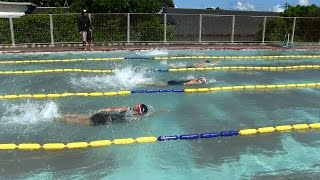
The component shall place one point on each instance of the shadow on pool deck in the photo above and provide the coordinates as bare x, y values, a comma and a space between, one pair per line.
75, 47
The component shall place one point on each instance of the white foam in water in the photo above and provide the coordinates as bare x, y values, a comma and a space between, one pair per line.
178, 65
122, 78
165, 63
152, 52
30, 113
209, 79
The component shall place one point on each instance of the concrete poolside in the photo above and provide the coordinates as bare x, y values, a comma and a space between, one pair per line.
77, 47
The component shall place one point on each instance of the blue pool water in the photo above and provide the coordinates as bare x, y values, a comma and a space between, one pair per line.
275, 155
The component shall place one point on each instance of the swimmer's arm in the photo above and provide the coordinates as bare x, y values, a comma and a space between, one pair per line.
196, 65
115, 109
190, 82
160, 84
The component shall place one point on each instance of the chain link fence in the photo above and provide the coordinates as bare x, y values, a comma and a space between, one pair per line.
160, 28
5, 37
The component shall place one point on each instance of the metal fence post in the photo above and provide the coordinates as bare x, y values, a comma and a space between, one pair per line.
11, 30
51, 30
293, 29
264, 29
165, 29
128, 28
200, 27
233, 23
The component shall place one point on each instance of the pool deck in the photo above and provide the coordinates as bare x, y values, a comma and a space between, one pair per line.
72, 48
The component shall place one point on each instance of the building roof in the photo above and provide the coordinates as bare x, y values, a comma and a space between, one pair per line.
17, 3
11, 14
219, 12
15, 9
41, 10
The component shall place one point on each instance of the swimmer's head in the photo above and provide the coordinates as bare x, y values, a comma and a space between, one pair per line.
141, 109
202, 80
207, 61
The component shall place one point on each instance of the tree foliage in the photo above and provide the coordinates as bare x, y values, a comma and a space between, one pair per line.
106, 27
307, 28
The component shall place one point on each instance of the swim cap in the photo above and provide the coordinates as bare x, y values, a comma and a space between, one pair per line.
142, 108
207, 61
203, 79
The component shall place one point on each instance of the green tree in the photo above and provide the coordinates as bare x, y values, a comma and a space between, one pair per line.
106, 27
307, 28
120, 6
5, 37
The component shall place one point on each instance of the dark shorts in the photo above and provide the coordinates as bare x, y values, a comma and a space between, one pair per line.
173, 83
107, 117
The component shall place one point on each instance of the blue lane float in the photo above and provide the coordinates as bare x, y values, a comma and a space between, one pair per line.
229, 133
210, 135
168, 138
177, 90
156, 90
197, 136
189, 136
152, 91
138, 91
165, 90
161, 70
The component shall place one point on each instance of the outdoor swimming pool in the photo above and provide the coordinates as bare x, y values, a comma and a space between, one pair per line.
261, 156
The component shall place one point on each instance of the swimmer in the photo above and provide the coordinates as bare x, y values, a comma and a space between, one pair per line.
197, 65
109, 115
201, 80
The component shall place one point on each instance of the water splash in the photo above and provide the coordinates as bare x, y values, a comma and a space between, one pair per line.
177, 65
31, 113
123, 78
210, 80
152, 52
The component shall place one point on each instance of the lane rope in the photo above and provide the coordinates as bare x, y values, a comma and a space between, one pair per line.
216, 68
152, 139
188, 90
265, 57
59, 60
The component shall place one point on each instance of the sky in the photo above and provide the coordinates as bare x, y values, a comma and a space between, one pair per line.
249, 5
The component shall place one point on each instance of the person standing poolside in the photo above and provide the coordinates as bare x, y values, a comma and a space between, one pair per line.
109, 115
85, 29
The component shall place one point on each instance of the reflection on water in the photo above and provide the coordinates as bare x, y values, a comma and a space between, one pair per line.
274, 155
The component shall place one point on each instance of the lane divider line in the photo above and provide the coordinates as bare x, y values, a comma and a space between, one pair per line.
265, 57
147, 91
151, 139
217, 68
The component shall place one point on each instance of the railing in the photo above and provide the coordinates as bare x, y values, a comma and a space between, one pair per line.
56, 29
